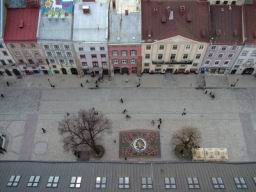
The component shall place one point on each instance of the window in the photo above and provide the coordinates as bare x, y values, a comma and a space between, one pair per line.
1, 45
69, 54
198, 56
66, 47
21, 61
84, 63
95, 64
103, 63
185, 56
233, 47
195, 64
210, 55
33, 181
146, 64
59, 54
10, 61
33, 45
46, 46
174, 47
94, 56
53, 181
201, 46
187, 46
12, 45
5, 53
124, 61
61, 61
103, 55
31, 61
124, 183
223, 48
230, 55
102, 48
71, 61
82, 56
161, 47
75, 182
148, 47
3, 62
226, 62
146, 183
101, 182
253, 54
170, 183
56, 47
22, 45
240, 183
54, 66
217, 183
217, 62
133, 53
115, 53
220, 55
49, 54
133, 61
225, 2
13, 181
213, 47
147, 56
92, 48
236, 66
160, 56
115, 61
193, 183
52, 61
80, 48
173, 56
124, 53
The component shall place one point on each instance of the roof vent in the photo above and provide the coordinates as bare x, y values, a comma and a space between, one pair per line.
163, 19
86, 9
182, 9
235, 33
114, 4
21, 24
189, 18
218, 32
126, 12
155, 9
171, 15
149, 33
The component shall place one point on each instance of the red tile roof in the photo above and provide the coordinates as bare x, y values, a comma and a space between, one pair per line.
250, 23
226, 24
21, 24
167, 18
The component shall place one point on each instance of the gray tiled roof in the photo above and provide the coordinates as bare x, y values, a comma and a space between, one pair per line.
135, 171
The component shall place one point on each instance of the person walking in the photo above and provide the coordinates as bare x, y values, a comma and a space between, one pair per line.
7, 83
158, 126
124, 111
152, 122
160, 120
81, 84
121, 100
43, 130
2, 95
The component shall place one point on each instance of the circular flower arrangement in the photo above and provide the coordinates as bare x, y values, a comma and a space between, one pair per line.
139, 144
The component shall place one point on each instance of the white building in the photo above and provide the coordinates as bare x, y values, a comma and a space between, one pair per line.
90, 35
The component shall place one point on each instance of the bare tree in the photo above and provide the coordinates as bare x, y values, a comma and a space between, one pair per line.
185, 140
80, 131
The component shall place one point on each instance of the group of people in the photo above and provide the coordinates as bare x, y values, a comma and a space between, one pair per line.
125, 110
211, 94
159, 123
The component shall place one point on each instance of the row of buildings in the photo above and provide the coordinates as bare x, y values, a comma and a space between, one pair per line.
127, 36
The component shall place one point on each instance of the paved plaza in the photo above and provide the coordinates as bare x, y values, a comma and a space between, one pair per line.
227, 121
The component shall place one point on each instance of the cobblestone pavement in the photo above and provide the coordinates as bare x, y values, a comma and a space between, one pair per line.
227, 121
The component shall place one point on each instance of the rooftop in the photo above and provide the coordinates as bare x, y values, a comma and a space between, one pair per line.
226, 24
165, 19
1, 18
125, 28
250, 24
90, 22
56, 20
21, 24
115, 176
17, 3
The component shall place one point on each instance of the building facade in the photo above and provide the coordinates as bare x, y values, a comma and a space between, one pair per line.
90, 33
20, 39
55, 36
226, 2
125, 37
175, 36
246, 61
226, 39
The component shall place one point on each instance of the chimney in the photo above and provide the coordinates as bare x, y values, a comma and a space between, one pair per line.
126, 12
21, 24
114, 4
86, 9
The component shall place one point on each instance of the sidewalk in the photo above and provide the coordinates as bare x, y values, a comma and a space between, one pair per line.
123, 81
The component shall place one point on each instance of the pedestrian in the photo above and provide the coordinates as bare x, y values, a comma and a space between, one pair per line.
7, 83
87, 81
128, 116
96, 82
152, 122
81, 84
125, 158
114, 141
97, 86
213, 96
2, 95
210, 93
160, 120
126, 80
138, 85
44, 130
124, 111
205, 92
68, 114
158, 126
121, 100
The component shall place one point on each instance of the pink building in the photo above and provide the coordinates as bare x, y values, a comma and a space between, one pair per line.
125, 58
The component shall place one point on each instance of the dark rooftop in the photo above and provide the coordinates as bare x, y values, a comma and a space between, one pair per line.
250, 24
226, 24
168, 18
158, 176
